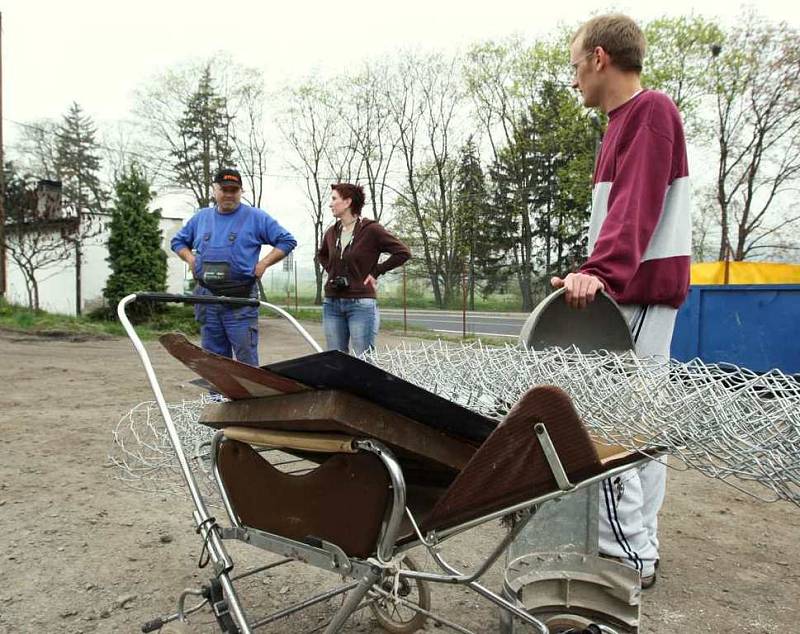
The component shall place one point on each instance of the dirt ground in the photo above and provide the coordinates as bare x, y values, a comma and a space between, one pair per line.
81, 553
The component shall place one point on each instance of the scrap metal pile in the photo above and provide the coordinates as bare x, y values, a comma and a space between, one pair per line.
729, 423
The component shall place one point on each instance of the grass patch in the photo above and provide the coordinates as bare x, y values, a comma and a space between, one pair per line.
103, 323
302, 314
98, 324
396, 327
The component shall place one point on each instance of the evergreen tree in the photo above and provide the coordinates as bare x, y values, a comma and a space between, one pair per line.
78, 162
205, 142
515, 176
471, 206
565, 145
137, 261
78, 169
541, 195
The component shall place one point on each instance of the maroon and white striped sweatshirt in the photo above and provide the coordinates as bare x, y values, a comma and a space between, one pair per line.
640, 232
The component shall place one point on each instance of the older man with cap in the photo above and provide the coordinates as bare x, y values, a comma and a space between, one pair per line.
221, 245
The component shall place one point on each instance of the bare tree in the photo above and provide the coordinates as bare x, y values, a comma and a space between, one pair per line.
35, 149
756, 84
308, 124
365, 111
201, 114
121, 148
704, 227
249, 140
425, 99
36, 234
406, 110
344, 163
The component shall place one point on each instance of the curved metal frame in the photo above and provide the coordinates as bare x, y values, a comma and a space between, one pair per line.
329, 556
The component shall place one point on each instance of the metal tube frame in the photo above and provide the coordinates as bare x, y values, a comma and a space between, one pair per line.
331, 557
206, 524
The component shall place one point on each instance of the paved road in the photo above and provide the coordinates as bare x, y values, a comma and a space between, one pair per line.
478, 323
451, 322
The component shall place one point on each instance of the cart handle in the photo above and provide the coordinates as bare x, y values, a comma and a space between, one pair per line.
196, 299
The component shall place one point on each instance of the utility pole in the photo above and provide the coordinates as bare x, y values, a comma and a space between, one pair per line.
2, 178
78, 251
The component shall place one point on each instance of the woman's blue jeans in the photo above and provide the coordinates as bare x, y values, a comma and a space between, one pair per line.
350, 323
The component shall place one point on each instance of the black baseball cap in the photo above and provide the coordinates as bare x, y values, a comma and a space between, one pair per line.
225, 177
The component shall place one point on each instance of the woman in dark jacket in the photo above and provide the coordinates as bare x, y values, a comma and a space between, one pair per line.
349, 254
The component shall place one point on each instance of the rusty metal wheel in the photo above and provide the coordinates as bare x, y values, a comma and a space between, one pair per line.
396, 616
568, 623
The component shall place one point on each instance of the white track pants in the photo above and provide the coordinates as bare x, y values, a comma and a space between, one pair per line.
629, 503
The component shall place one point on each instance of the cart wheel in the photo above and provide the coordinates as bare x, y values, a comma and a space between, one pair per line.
395, 617
176, 627
568, 624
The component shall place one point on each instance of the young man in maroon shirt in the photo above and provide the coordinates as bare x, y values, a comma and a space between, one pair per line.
639, 245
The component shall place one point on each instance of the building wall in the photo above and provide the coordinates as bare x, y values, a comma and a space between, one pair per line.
57, 283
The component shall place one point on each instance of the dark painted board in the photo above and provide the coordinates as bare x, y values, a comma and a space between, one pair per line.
339, 371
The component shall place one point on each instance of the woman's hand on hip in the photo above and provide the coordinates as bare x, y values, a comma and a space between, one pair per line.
371, 282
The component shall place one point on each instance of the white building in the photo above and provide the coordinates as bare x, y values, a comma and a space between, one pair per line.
57, 282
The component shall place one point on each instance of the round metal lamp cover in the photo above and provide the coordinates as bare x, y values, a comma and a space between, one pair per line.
599, 326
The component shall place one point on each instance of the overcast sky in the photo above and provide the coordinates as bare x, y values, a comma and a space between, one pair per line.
98, 53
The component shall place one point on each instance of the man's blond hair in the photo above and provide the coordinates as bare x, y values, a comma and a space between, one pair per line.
619, 36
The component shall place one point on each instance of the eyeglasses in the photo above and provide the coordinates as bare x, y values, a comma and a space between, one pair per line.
580, 61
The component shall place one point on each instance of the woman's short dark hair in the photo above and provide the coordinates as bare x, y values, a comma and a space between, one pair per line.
354, 192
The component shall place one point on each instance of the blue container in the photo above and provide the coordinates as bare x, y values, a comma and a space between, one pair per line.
753, 326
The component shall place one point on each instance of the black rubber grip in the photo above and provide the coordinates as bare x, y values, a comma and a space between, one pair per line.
152, 626
197, 299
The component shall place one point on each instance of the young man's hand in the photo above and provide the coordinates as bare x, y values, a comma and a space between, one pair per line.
261, 267
580, 288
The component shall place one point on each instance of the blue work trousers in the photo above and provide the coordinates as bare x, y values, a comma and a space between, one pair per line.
350, 323
230, 331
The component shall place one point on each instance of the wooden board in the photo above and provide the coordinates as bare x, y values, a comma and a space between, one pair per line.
231, 378
335, 370
332, 411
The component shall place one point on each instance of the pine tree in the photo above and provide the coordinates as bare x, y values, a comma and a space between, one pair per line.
205, 143
137, 261
78, 168
78, 162
541, 195
565, 143
471, 210
515, 177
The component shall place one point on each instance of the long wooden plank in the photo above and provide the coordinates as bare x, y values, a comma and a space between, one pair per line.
233, 379
332, 411
335, 370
